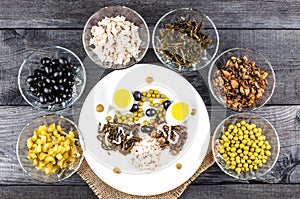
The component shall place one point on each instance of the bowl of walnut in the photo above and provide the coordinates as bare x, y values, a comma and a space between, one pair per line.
241, 79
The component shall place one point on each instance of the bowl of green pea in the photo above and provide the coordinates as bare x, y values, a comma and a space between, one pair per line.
245, 146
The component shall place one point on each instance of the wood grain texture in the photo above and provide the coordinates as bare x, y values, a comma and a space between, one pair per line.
57, 192
225, 14
282, 52
274, 191
282, 117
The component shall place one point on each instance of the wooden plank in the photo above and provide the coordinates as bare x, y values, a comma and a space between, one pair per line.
282, 117
226, 14
48, 191
15, 45
274, 191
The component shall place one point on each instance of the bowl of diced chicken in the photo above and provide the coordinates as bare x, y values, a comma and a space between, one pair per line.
116, 37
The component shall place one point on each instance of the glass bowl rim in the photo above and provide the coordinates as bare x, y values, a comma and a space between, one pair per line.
254, 52
123, 7
81, 141
237, 115
187, 9
51, 47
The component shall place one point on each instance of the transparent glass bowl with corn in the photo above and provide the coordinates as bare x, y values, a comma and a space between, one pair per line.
50, 148
245, 146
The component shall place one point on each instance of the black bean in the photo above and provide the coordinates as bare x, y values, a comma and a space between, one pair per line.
166, 104
45, 61
150, 112
50, 98
137, 95
146, 129
134, 108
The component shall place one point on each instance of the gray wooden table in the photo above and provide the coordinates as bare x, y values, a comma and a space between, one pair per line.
271, 27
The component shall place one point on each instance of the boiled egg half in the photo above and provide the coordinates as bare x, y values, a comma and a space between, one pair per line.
178, 112
122, 100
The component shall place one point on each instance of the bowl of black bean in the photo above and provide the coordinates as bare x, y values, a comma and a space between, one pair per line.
51, 78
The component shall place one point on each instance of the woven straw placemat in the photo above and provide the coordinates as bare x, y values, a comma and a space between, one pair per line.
103, 190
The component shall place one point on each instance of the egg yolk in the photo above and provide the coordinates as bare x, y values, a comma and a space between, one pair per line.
180, 111
122, 98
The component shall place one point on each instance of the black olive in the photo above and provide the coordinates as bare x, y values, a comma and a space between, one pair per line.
61, 87
166, 104
64, 96
37, 72
48, 80
146, 129
48, 69
50, 98
47, 91
33, 89
57, 74
69, 95
150, 112
63, 61
54, 62
45, 61
30, 80
137, 95
58, 99
43, 99
134, 108
55, 87
41, 84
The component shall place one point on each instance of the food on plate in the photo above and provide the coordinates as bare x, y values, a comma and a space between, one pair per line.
115, 137
144, 128
149, 80
146, 154
117, 170
53, 81
123, 99
178, 112
178, 166
116, 40
240, 83
51, 148
182, 42
194, 111
99, 108
244, 147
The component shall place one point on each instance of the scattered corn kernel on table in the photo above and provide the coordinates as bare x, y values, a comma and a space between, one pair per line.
272, 28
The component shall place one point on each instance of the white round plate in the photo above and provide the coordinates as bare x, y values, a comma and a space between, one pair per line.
132, 180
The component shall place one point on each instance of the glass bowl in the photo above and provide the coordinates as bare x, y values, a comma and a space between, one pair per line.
217, 89
180, 51
267, 129
114, 11
22, 150
33, 62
